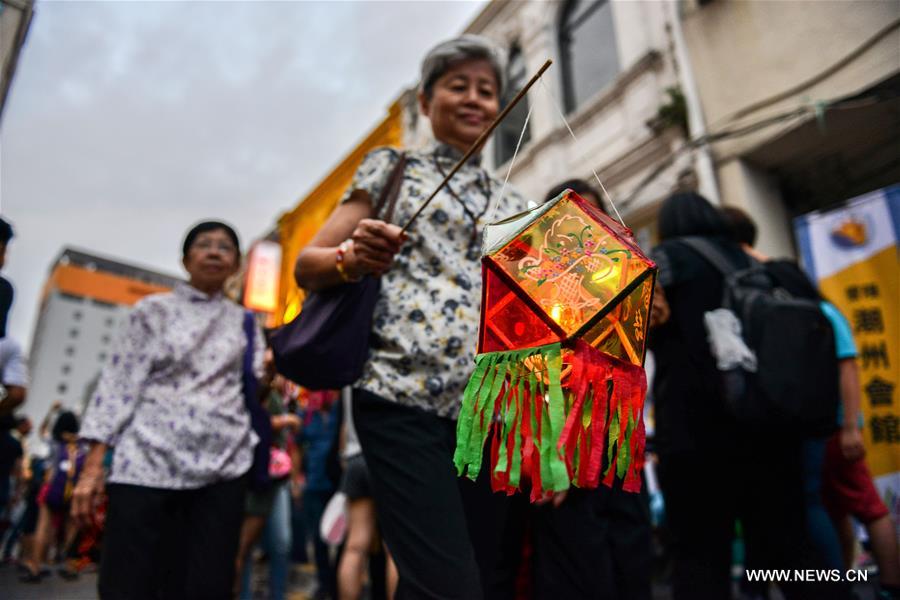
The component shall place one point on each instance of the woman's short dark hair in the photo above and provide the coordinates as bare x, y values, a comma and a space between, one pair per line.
6, 299
452, 52
579, 186
6, 231
204, 227
740, 225
689, 213
66, 422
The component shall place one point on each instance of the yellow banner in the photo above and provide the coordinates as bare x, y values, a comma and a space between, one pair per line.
868, 293
853, 254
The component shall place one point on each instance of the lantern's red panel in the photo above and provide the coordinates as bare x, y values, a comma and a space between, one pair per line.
508, 322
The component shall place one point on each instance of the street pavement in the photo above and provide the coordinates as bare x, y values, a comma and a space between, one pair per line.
51, 587
301, 587
54, 587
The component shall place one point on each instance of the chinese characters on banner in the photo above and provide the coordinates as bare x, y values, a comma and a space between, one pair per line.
852, 252
874, 357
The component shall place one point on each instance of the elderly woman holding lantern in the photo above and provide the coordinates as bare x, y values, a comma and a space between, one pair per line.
425, 322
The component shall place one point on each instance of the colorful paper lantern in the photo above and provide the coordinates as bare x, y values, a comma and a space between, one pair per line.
559, 383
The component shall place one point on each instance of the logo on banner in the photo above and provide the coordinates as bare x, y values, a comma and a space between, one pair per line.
851, 232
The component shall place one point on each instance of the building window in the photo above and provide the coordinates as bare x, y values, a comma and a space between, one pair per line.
587, 49
102, 356
61, 388
76, 316
110, 321
105, 338
508, 131
66, 369
73, 333
70, 351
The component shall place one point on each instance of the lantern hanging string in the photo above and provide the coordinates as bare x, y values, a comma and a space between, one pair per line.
479, 142
572, 133
512, 163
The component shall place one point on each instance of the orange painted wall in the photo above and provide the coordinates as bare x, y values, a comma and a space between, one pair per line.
297, 227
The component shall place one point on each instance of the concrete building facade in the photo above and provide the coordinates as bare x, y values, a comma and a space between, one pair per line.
15, 19
779, 108
813, 89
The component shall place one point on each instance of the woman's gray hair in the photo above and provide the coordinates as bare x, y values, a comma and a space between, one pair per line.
466, 47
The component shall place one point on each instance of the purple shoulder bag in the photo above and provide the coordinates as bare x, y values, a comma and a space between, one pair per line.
327, 345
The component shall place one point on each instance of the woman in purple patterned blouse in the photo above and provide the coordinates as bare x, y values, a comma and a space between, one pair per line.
170, 405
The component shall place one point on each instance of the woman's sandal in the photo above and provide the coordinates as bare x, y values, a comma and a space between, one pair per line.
30, 576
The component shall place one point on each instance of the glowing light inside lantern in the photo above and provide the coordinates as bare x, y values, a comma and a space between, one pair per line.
556, 312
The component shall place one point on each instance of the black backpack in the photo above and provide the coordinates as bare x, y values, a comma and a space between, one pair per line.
795, 387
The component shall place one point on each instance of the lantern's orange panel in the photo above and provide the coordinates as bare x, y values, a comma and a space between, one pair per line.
508, 323
622, 332
571, 264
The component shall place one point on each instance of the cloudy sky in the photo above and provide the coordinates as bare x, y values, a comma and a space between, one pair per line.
128, 121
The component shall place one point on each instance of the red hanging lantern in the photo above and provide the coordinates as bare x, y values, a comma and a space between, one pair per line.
559, 383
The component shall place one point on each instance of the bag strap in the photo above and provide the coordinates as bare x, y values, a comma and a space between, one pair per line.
249, 379
388, 196
711, 253
72, 455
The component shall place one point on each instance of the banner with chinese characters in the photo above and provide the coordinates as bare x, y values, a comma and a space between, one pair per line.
853, 254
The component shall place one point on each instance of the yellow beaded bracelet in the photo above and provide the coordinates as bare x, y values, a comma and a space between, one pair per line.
342, 250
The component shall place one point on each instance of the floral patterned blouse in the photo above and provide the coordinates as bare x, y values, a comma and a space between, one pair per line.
426, 321
170, 400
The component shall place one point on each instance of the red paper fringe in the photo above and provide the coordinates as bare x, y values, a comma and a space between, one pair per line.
581, 446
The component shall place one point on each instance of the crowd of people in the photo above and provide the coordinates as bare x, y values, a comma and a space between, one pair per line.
194, 454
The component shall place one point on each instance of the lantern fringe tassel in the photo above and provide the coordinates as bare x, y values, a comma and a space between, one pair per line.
551, 431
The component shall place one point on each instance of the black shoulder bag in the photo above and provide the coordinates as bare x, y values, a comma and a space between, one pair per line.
327, 345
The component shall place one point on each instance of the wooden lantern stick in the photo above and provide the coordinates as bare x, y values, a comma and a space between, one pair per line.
479, 142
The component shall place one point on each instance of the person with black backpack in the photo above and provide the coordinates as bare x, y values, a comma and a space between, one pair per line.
719, 464
837, 479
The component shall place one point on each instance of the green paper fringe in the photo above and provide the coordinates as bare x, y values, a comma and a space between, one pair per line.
552, 435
